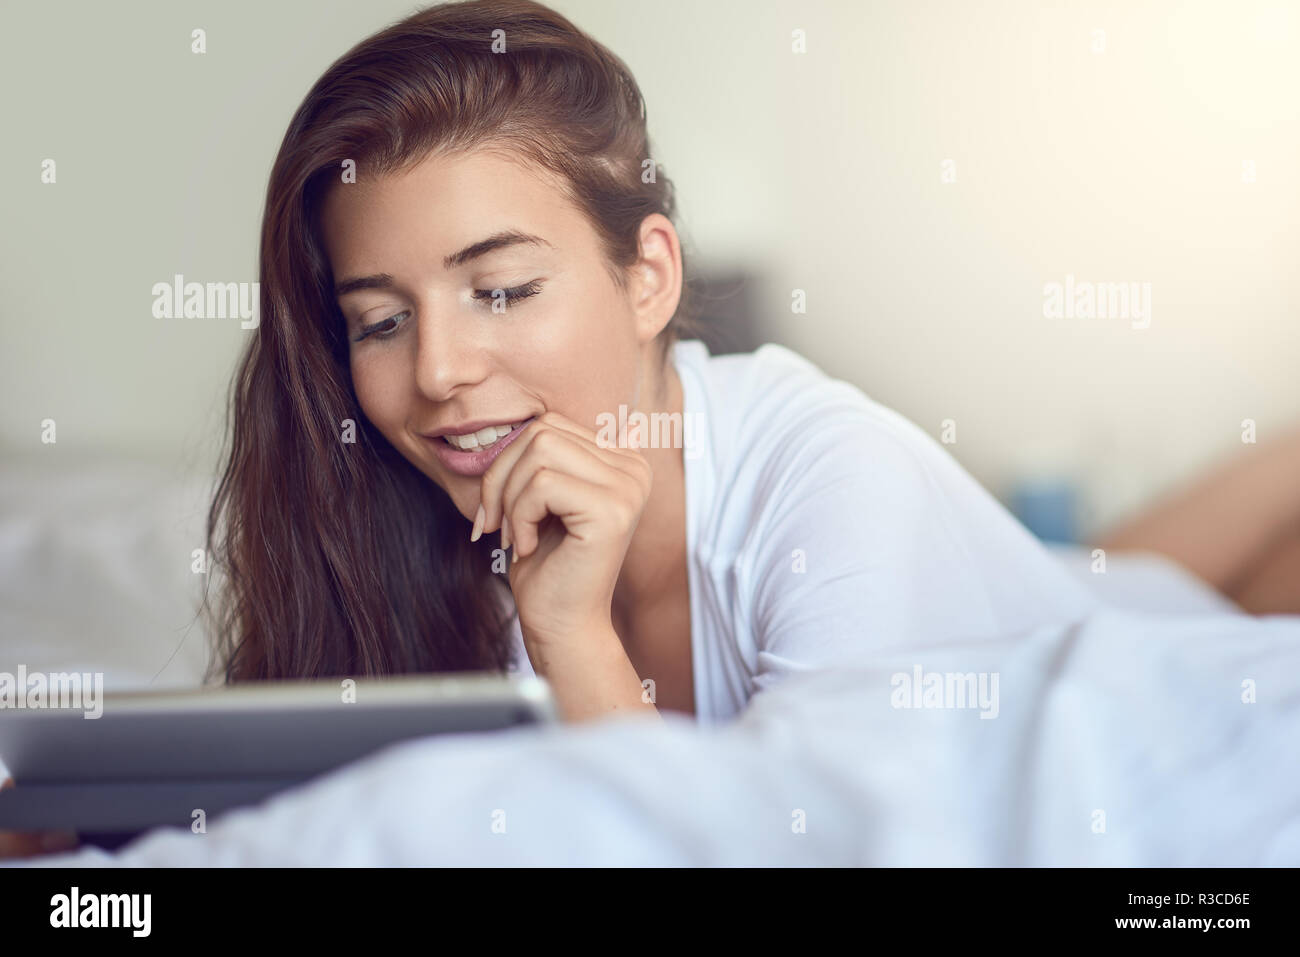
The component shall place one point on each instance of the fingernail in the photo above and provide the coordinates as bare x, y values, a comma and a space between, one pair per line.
479, 519
505, 532
58, 841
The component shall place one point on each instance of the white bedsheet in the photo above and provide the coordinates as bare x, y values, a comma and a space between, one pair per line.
1139, 717
1135, 715
1142, 581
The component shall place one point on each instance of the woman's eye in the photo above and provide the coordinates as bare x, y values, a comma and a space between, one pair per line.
383, 329
502, 298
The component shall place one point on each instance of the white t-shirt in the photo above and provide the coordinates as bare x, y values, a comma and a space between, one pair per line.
823, 528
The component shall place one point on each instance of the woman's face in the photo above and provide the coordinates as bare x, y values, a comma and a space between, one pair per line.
429, 351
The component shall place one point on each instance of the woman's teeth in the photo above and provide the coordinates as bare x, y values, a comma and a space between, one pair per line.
482, 439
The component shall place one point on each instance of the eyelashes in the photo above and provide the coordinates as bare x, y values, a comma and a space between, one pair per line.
381, 330
386, 328
510, 295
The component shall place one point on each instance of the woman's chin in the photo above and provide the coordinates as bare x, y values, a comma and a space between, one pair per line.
466, 505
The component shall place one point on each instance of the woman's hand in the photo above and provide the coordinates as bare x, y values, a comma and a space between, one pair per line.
569, 507
32, 843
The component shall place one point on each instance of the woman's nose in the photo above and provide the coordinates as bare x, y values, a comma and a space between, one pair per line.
444, 358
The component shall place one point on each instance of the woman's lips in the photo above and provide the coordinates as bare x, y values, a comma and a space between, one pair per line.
472, 464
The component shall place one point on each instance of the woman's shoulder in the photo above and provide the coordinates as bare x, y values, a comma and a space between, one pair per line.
772, 372
826, 498
775, 411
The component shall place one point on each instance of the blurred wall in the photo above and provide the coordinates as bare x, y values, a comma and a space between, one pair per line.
919, 172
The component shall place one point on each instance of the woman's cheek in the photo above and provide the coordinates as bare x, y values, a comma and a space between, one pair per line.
379, 402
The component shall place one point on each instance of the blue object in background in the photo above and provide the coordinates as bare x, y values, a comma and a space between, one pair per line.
1047, 508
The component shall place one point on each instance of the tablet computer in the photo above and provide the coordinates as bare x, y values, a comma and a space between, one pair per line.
154, 758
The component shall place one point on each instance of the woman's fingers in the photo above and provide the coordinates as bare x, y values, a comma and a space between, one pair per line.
493, 483
577, 502
552, 459
558, 451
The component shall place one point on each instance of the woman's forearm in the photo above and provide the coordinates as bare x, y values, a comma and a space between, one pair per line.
1222, 526
590, 674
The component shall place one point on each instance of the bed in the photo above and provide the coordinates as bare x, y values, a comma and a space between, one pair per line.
1151, 733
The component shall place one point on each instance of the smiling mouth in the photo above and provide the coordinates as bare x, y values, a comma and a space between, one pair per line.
482, 439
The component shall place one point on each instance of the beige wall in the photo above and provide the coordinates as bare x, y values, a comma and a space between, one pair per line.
821, 169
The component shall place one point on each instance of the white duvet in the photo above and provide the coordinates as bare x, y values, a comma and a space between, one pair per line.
1130, 739
1167, 734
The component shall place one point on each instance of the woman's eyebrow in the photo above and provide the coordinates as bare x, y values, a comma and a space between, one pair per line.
379, 281
507, 237
501, 240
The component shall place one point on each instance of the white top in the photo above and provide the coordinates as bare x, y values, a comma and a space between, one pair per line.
823, 528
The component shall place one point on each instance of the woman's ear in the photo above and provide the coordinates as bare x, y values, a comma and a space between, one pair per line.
656, 278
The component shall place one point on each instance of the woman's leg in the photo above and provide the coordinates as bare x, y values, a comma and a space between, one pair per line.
1272, 587
1238, 528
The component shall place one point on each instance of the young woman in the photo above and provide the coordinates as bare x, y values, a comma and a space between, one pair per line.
472, 290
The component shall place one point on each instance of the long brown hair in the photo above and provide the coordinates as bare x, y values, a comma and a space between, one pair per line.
339, 557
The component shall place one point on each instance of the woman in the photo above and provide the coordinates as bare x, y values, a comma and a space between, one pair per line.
471, 286
471, 344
